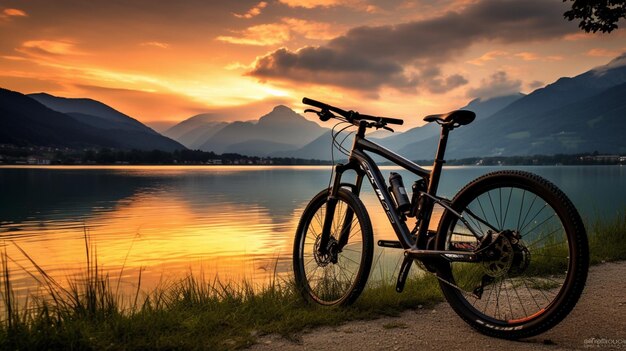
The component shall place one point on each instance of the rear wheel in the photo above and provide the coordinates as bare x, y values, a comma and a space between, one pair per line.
338, 276
535, 255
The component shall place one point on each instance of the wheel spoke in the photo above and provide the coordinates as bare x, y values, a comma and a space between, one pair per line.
519, 281
527, 213
330, 278
493, 209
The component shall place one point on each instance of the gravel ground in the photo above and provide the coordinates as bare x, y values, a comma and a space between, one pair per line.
598, 321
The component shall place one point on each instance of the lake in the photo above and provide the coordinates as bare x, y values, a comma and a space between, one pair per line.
229, 222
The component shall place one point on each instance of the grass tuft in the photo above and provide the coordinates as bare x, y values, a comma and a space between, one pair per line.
607, 240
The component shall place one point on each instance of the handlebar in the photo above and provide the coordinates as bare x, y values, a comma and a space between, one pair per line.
350, 115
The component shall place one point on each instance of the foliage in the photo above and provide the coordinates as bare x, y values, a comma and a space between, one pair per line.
10, 154
597, 15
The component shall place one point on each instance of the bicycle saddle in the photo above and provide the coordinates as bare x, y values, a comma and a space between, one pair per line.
460, 117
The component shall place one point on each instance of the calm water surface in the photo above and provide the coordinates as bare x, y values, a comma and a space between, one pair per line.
230, 222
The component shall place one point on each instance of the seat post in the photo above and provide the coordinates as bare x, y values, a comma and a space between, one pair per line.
439, 160
426, 204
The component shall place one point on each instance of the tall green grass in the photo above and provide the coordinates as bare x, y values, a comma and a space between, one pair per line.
607, 239
200, 313
192, 313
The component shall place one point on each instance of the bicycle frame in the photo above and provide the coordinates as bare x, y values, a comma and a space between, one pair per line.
332, 267
363, 165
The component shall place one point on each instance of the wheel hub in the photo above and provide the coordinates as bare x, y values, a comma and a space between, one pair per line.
498, 258
507, 254
331, 254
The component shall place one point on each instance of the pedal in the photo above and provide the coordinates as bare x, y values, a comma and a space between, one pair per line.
404, 273
486, 280
394, 244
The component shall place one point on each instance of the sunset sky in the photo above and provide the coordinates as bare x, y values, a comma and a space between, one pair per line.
166, 61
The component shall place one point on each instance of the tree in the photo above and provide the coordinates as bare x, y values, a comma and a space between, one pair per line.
597, 15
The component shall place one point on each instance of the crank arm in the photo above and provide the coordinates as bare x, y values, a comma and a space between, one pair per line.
450, 256
404, 273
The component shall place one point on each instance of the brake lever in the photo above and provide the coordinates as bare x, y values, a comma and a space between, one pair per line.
324, 115
382, 125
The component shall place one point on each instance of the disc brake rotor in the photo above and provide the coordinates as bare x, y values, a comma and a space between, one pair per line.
499, 258
330, 256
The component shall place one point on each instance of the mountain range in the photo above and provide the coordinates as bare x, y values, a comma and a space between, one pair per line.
584, 113
280, 130
194, 131
284, 133
46, 120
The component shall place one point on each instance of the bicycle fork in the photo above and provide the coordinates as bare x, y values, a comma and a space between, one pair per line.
330, 245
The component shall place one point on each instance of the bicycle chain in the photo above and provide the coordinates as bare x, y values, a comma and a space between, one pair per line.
453, 285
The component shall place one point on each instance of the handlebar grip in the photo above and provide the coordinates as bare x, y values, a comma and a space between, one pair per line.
327, 107
315, 103
390, 120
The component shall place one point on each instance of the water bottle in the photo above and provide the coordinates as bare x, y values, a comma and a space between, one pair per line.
399, 192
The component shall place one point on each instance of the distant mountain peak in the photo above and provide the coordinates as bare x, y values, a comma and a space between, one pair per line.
618, 62
51, 97
281, 108
30, 120
41, 94
280, 114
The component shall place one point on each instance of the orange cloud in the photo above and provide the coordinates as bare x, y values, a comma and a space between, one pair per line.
156, 44
311, 29
579, 36
14, 13
261, 35
527, 56
489, 56
253, 12
309, 4
599, 52
279, 33
50, 47
360, 5
531, 56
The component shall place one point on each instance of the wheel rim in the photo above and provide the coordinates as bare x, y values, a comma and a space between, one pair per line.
528, 269
331, 277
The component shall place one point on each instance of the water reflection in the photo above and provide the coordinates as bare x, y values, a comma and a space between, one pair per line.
233, 222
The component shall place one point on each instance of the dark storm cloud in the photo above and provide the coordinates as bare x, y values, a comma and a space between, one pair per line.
432, 80
371, 57
498, 84
328, 66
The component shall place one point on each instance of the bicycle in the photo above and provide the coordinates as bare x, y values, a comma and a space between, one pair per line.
510, 251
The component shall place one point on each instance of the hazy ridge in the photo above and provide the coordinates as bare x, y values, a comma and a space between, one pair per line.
580, 114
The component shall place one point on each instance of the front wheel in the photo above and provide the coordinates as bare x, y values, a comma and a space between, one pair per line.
534, 255
336, 276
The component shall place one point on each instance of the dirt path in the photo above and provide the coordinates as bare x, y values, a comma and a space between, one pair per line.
598, 321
